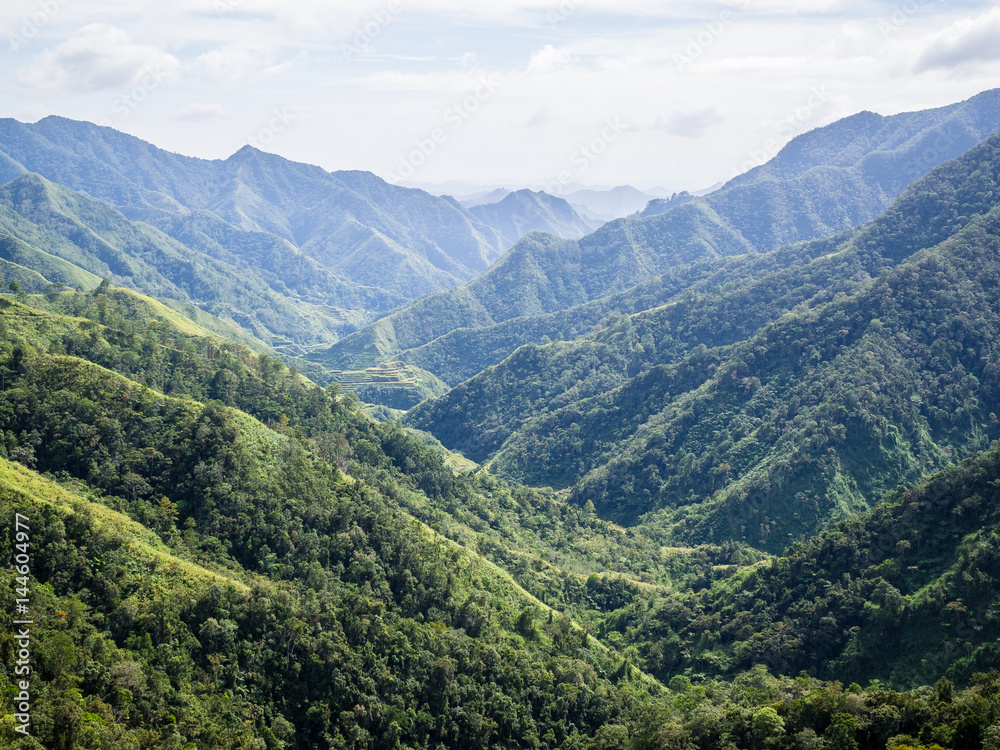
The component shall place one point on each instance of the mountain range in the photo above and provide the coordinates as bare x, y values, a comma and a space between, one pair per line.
327, 250
824, 182
774, 393
713, 494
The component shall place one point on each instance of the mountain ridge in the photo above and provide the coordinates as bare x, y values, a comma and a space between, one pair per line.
808, 201
603, 415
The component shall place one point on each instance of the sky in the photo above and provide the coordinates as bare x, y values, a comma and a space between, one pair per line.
541, 93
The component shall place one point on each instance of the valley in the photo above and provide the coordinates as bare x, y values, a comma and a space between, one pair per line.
313, 460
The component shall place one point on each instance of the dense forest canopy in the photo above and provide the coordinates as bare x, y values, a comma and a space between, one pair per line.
750, 501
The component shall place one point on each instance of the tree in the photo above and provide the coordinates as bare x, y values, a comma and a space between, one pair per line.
768, 728
842, 733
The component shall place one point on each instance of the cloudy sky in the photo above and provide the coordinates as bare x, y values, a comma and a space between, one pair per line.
517, 92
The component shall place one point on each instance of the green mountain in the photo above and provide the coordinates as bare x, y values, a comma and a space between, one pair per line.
348, 238
264, 580
800, 386
823, 182
214, 552
268, 568
70, 238
903, 593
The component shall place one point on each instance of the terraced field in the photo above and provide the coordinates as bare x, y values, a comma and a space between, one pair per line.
395, 384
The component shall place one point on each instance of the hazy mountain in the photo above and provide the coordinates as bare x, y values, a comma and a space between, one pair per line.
481, 199
525, 211
823, 182
610, 204
348, 222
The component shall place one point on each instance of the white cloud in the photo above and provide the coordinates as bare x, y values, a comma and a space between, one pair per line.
558, 84
967, 41
690, 124
440, 82
236, 62
755, 64
548, 59
96, 58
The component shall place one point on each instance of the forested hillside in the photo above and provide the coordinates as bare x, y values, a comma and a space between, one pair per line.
270, 290
826, 181
321, 570
902, 593
676, 489
212, 577
748, 429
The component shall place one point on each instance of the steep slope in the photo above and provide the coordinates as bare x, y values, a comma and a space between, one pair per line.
526, 281
420, 243
733, 438
269, 581
36, 269
823, 182
918, 572
525, 211
201, 579
100, 241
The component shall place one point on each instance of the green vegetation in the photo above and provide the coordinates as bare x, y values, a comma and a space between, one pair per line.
904, 593
336, 578
824, 182
207, 581
742, 423
678, 515
392, 384
97, 241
